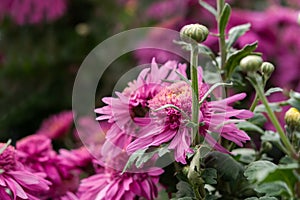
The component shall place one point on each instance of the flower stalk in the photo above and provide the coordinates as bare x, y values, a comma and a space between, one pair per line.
222, 44
256, 82
195, 93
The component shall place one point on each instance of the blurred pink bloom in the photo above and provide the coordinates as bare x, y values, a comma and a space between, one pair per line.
112, 184
57, 125
21, 183
32, 11
129, 110
80, 157
37, 154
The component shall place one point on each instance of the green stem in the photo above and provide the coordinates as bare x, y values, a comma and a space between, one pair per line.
254, 103
274, 120
195, 93
222, 44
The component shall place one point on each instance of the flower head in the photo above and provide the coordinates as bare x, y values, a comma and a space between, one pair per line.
113, 184
56, 125
170, 124
15, 181
37, 154
129, 111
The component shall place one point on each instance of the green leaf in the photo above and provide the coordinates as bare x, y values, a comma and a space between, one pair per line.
133, 157
244, 155
262, 109
234, 58
227, 168
248, 126
294, 99
184, 190
224, 18
209, 175
259, 170
273, 90
277, 188
258, 119
236, 32
262, 198
270, 136
205, 50
208, 7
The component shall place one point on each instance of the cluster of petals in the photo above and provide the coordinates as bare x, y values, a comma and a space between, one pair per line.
62, 170
168, 125
16, 182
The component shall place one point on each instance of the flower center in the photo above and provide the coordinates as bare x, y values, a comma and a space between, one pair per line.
7, 158
178, 94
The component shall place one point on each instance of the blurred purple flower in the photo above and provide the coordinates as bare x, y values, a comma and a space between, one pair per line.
32, 11
37, 154
56, 125
113, 184
21, 183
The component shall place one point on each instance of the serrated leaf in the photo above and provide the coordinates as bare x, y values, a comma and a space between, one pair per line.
277, 188
224, 18
236, 32
294, 99
273, 90
227, 168
184, 190
245, 155
235, 57
132, 158
208, 7
248, 126
209, 175
259, 170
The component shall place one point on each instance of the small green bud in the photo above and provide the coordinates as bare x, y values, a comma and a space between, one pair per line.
267, 68
292, 119
267, 146
194, 32
251, 63
185, 170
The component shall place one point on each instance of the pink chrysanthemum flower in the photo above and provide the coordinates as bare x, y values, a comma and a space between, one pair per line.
15, 181
112, 184
129, 110
170, 125
57, 125
37, 154
33, 11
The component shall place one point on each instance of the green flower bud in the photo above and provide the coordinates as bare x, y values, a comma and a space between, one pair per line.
292, 119
185, 170
251, 63
267, 146
267, 68
194, 32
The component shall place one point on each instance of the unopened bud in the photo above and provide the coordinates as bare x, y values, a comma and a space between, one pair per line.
267, 146
194, 32
292, 119
251, 63
267, 68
